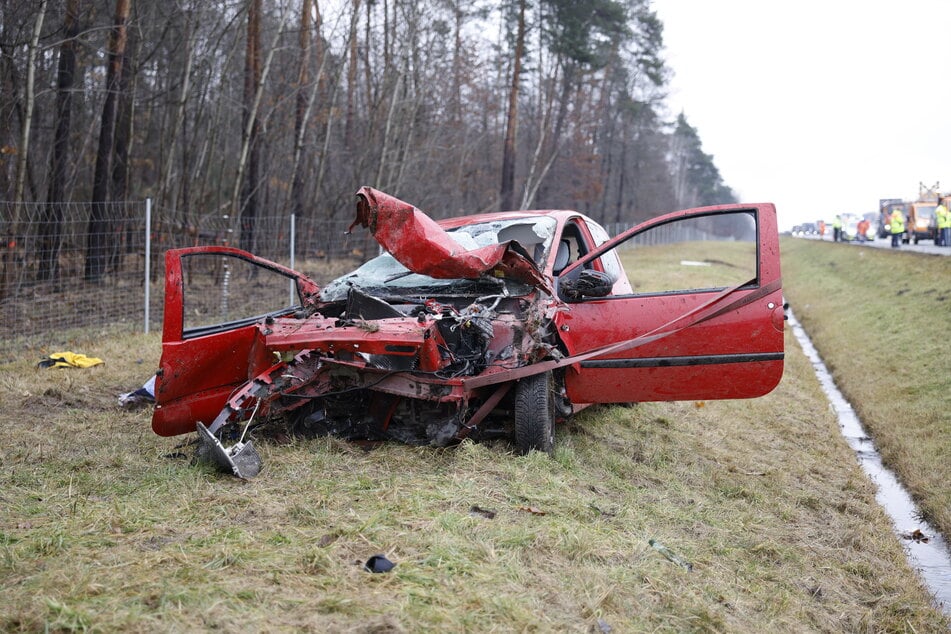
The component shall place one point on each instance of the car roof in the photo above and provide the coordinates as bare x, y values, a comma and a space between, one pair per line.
560, 215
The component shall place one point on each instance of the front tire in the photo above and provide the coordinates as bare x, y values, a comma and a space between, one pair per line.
535, 414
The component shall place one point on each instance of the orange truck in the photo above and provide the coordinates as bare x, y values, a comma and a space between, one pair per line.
922, 222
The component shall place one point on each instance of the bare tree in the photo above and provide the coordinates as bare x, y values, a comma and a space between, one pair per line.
420, 98
248, 178
303, 102
352, 76
507, 190
24, 151
97, 240
180, 112
51, 230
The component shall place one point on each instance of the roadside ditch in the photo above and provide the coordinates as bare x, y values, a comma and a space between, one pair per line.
927, 551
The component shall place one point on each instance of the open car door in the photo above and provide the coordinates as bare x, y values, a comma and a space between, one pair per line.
704, 320
214, 299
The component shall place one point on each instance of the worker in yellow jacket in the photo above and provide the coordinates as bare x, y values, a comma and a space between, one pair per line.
943, 218
896, 225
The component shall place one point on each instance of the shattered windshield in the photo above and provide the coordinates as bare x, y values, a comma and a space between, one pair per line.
384, 275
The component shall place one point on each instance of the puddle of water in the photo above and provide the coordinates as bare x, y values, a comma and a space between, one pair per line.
932, 559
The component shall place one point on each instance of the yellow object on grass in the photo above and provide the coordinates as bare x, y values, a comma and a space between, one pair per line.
70, 360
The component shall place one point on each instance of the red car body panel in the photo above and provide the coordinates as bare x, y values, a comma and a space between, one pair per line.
456, 357
419, 243
736, 354
196, 375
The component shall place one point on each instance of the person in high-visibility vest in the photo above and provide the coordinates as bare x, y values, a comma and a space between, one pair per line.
943, 217
861, 231
837, 228
896, 225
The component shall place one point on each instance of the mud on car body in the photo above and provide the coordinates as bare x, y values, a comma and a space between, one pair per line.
494, 324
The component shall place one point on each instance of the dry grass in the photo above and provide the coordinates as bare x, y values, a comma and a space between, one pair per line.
108, 527
882, 322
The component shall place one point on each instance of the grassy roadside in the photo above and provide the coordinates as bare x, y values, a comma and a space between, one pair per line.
107, 527
882, 322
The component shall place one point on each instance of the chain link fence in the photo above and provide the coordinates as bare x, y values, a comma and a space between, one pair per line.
57, 276
49, 290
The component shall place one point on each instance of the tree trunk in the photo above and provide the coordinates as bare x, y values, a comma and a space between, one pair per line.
456, 106
51, 228
124, 122
317, 88
352, 78
124, 137
24, 151
303, 107
248, 178
97, 239
178, 123
507, 190
367, 68
252, 80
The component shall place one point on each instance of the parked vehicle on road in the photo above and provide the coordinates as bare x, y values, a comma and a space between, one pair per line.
922, 221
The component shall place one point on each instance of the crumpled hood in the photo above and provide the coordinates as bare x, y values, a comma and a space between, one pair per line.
422, 246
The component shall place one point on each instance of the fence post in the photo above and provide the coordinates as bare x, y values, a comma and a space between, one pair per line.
148, 258
293, 283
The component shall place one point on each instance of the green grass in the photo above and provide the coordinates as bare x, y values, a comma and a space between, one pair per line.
689, 265
108, 527
882, 322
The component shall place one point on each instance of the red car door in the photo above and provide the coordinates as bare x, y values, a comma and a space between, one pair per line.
215, 297
705, 318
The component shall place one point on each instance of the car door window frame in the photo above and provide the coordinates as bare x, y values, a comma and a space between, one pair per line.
612, 245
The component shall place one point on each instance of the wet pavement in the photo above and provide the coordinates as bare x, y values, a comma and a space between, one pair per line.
927, 551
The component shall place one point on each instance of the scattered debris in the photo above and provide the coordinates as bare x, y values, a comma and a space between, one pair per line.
486, 513
378, 563
145, 395
916, 536
670, 555
241, 459
69, 360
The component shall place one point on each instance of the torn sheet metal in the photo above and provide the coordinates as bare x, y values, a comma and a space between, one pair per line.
423, 247
241, 459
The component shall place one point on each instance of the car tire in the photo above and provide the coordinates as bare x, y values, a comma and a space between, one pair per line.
535, 414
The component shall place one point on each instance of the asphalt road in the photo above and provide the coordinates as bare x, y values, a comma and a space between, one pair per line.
926, 246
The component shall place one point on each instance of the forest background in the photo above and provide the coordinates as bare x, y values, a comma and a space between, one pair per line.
244, 108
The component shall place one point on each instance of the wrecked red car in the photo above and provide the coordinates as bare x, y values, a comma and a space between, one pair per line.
477, 326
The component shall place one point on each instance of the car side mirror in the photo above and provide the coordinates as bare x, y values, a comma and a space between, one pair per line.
587, 283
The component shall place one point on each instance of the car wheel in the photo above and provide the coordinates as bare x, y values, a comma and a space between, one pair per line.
535, 414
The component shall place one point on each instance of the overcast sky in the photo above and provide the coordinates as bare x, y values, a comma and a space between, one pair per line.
819, 106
